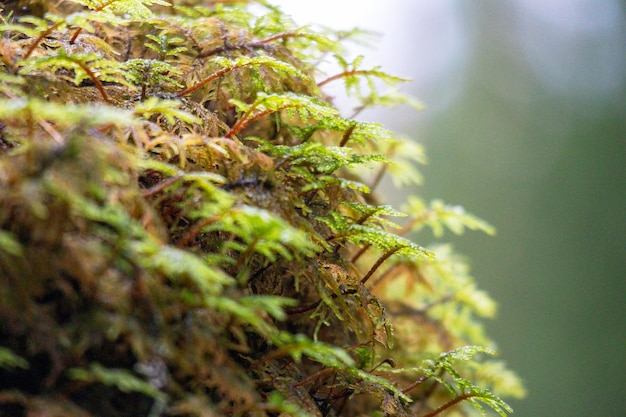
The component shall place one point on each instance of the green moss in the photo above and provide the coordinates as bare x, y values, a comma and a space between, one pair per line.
186, 228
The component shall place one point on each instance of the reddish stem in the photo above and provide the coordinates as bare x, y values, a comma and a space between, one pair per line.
364, 217
210, 78
343, 75
40, 38
251, 45
303, 309
194, 230
361, 252
247, 118
321, 372
93, 77
449, 404
282, 35
346, 135
243, 117
379, 262
415, 384
75, 35
410, 224
97, 9
161, 186
382, 276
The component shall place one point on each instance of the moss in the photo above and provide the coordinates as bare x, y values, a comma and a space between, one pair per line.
187, 227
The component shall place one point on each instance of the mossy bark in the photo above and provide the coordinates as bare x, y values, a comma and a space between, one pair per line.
185, 228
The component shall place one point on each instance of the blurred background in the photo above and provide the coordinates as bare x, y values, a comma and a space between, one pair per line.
525, 126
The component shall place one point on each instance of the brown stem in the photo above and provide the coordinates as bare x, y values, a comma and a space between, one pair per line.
161, 186
316, 375
379, 262
97, 9
418, 219
96, 81
449, 404
416, 384
388, 361
251, 45
194, 230
75, 35
346, 135
93, 77
40, 38
425, 396
58, 138
247, 118
282, 35
364, 217
382, 276
210, 78
303, 309
361, 252
343, 75
238, 124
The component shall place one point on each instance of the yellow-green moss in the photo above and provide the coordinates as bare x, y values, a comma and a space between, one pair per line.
186, 230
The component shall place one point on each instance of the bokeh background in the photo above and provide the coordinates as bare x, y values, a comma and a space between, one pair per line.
525, 125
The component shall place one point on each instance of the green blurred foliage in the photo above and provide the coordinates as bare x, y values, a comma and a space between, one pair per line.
544, 163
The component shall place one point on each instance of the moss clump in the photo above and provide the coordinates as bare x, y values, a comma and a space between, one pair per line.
187, 227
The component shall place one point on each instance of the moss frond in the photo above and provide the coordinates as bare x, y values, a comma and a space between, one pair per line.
438, 215
8, 359
188, 226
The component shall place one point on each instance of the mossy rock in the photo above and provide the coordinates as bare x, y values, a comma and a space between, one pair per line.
187, 227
